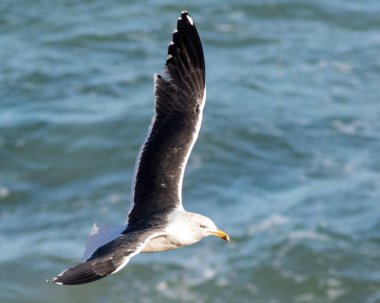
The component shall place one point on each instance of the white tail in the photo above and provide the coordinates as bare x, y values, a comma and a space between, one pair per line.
101, 234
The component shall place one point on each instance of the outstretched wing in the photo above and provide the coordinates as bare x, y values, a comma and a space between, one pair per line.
179, 100
107, 259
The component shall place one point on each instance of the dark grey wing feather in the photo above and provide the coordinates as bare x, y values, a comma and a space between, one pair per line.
86, 272
179, 100
107, 259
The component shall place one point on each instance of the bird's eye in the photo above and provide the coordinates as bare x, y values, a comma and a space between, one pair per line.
202, 226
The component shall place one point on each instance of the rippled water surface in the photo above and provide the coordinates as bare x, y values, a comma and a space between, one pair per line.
287, 160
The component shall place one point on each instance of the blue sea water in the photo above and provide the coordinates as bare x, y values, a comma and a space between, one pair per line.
287, 161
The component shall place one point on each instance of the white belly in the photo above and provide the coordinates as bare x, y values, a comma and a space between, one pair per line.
160, 243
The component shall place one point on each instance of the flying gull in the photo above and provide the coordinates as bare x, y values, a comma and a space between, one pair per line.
157, 220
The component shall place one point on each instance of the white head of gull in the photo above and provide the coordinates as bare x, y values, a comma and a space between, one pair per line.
157, 220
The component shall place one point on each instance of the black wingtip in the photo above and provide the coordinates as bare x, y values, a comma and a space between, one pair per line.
85, 272
186, 46
51, 281
185, 17
55, 281
184, 13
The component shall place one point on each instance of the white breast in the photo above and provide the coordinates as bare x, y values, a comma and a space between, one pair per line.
179, 232
160, 243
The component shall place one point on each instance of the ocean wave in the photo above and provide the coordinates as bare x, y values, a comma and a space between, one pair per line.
4, 192
272, 221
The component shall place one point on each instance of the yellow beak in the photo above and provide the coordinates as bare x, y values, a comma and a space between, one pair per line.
221, 234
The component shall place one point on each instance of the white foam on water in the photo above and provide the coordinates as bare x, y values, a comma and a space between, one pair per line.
350, 128
4, 192
272, 221
307, 235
